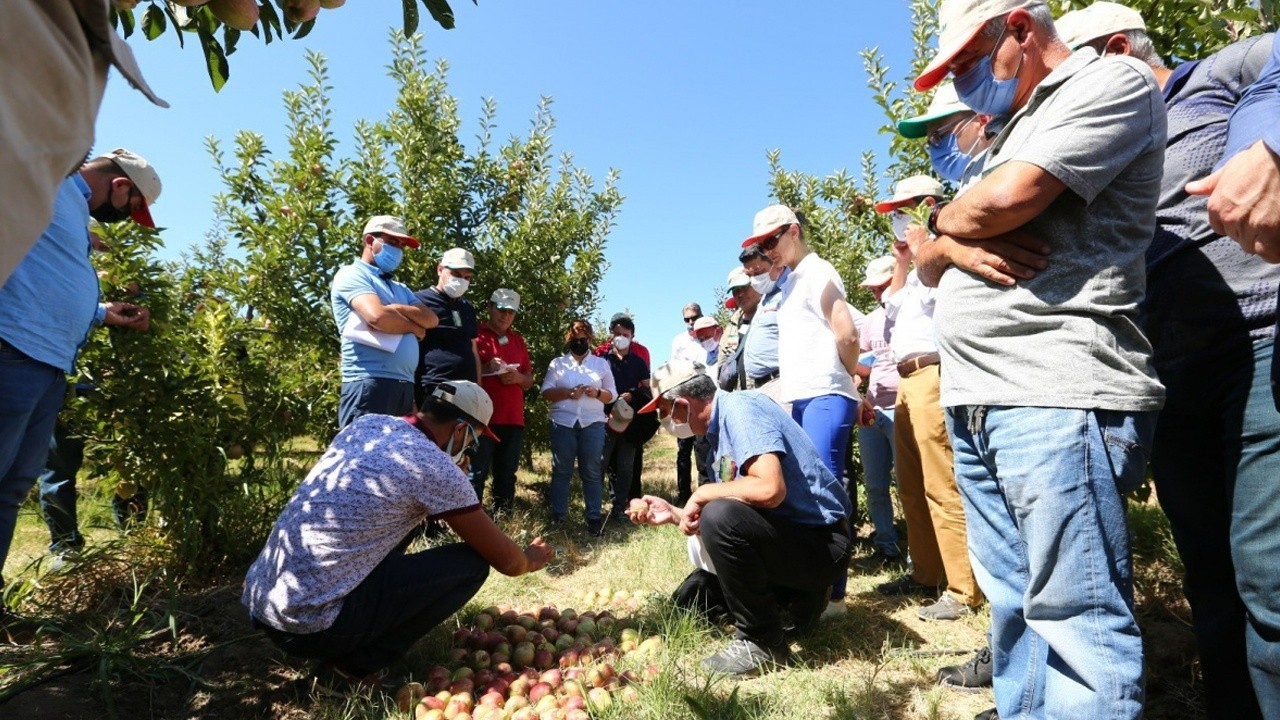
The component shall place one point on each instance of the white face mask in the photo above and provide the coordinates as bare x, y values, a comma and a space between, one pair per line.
456, 287
621, 342
681, 430
468, 439
763, 284
900, 222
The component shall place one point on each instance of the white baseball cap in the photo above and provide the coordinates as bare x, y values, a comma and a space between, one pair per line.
945, 103
620, 416
768, 220
669, 375
389, 225
907, 191
470, 399
879, 271
1101, 19
144, 177
458, 259
704, 322
506, 299
959, 22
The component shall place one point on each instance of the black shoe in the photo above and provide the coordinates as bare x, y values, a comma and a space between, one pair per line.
970, 676
987, 715
806, 610
595, 528
744, 658
618, 516
906, 585
879, 560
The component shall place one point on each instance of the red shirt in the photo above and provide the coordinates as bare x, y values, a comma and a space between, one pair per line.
637, 349
508, 400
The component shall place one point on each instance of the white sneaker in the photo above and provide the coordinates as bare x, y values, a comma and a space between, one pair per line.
835, 608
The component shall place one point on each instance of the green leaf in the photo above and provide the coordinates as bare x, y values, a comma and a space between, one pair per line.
230, 36
214, 59
153, 23
126, 23
270, 20
304, 29
440, 12
410, 16
168, 10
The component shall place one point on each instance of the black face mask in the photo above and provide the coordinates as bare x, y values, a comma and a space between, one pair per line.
579, 346
108, 213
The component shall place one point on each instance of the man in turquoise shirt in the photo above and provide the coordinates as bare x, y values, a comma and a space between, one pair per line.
47, 307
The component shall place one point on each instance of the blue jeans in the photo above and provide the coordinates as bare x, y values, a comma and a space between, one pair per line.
58, 490
31, 394
374, 396
586, 445
1049, 540
503, 456
878, 450
401, 600
828, 420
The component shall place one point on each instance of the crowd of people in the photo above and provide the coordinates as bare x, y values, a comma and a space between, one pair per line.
1091, 294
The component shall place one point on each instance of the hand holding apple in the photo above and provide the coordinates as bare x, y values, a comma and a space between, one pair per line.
657, 512
539, 554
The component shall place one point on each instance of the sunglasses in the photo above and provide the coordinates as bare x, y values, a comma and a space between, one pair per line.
691, 320
772, 242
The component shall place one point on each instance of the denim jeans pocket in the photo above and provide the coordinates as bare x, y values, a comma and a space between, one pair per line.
1128, 437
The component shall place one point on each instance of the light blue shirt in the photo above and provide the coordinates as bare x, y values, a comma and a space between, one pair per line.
760, 357
747, 424
1255, 115
361, 362
48, 304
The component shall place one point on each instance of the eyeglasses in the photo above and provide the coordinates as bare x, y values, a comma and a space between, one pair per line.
772, 242
940, 134
691, 320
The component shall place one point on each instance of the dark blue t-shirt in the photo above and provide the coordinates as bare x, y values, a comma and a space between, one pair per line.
446, 351
628, 371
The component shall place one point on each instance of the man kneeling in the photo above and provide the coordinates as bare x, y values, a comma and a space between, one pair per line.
334, 583
776, 534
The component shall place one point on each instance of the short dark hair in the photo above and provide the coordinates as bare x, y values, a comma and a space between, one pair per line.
440, 411
624, 320
751, 252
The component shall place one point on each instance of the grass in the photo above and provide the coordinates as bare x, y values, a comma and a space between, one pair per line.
137, 637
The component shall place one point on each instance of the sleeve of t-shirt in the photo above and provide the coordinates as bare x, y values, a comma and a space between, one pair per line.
1095, 124
549, 380
1255, 115
349, 284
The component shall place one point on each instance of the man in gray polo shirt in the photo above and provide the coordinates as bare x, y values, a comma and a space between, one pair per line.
1047, 380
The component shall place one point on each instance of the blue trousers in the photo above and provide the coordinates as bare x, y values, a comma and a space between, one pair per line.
878, 452
585, 445
827, 420
58, 490
374, 396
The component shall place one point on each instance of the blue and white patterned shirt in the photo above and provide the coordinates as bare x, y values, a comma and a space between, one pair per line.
379, 479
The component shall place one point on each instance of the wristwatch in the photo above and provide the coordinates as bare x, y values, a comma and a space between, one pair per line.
932, 225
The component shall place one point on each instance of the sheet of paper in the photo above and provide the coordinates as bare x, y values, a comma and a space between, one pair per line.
357, 330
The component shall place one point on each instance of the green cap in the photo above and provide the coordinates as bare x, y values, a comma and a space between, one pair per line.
945, 102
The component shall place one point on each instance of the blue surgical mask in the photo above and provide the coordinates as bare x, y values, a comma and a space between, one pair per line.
948, 160
388, 258
982, 92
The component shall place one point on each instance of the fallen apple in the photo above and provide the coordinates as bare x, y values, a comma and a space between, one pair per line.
409, 696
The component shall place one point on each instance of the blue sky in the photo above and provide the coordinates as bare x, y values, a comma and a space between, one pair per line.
685, 99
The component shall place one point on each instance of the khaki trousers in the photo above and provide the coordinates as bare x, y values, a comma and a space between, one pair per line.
927, 487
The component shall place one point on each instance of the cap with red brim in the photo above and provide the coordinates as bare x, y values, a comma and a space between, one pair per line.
142, 215
959, 22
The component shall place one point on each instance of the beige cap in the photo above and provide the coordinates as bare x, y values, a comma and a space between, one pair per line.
458, 259
959, 22
910, 189
704, 322
945, 103
143, 177
505, 298
879, 271
470, 399
390, 225
1101, 19
738, 278
669, 375
768, 220
620, 416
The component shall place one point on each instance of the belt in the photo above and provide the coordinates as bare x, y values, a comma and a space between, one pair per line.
913, 363
764, 379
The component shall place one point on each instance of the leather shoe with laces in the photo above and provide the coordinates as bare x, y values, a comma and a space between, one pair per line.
744, 658
969, 676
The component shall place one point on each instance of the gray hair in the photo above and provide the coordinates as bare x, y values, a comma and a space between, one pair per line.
698, 387
1141, 48
1040, 16
695, 307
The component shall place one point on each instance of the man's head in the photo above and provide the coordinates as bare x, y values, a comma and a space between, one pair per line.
504, 303
909, 192
954, 134
457, 412
384, 240
121, 185
878, 275
621, 324
998, 51
779, 233
742, 296
692, 312
1111, 29
456, 269
707, 329
682, 395
762, 271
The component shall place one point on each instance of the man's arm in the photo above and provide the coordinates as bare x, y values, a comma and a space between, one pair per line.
475, 355
418, 313
759, 485
384, 318
477, 530
1011, 196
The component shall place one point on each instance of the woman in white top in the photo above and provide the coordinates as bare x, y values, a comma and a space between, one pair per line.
817, 345
578, 384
